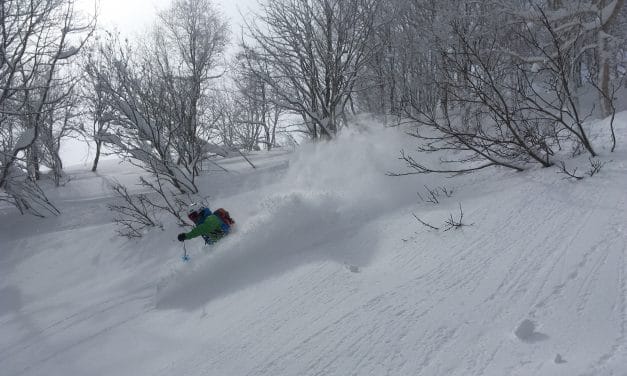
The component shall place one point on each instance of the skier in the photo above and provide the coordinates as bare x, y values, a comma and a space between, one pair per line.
211, 226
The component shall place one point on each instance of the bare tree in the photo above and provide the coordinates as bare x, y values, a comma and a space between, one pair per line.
146, 122
260, 112
38, 40
155, 91
507, 96
404, 61
311, 53
224, 111
96, 100
57, 125
189, 43
481, 112
151, 104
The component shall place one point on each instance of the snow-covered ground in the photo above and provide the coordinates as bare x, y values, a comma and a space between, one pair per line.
328, 273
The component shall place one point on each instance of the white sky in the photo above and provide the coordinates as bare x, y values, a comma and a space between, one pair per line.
134, 16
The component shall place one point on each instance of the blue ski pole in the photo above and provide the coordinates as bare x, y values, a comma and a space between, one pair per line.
185, 256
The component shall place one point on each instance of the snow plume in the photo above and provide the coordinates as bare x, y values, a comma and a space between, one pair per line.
322, 204
354, 167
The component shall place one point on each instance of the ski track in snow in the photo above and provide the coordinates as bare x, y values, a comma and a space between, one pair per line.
540, 272
617, 239
36, 352
384, 335
537, 278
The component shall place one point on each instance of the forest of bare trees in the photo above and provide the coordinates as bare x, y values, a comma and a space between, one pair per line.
38, 42
502, 82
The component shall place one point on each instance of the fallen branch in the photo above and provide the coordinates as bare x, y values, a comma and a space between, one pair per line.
569, 174
595, 166
453, 223
424, 223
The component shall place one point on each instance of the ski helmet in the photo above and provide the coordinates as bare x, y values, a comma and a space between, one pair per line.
194, 208
194, 211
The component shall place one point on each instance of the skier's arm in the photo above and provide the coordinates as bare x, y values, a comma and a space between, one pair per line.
196, 232
205, 228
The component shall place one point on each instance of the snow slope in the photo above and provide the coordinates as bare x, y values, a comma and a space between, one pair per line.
328, 273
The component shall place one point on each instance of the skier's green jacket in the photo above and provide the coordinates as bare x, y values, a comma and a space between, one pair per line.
210, 228
208, 225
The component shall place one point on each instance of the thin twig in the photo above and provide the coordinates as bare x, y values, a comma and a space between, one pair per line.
424, 223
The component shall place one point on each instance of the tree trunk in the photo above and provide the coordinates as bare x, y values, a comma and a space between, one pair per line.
604, 58
58, 169
97, 157
604, 85
33, 162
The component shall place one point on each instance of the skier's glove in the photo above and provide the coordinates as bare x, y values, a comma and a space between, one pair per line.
181, 237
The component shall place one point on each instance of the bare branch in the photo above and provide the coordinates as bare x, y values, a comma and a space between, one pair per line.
569, 174
453, 223
425, 223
